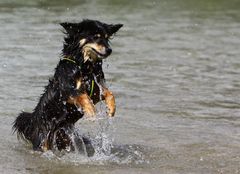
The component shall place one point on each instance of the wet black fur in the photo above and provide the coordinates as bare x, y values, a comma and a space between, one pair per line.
53, 118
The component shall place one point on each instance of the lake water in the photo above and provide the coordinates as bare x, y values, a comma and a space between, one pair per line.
174, 70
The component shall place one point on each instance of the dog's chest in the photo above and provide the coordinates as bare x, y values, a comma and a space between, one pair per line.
88, 80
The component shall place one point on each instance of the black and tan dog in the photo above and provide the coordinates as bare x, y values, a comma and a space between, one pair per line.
77, 85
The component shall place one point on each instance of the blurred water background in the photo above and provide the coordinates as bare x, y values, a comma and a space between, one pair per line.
174, 70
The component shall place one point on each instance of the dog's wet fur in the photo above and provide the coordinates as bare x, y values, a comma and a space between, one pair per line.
77, 85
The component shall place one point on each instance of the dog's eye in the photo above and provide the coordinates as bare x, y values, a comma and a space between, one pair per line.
96, 36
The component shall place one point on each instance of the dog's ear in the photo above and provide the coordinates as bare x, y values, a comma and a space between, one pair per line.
112, 29
71, 28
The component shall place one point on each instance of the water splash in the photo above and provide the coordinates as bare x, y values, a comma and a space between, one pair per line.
102, 142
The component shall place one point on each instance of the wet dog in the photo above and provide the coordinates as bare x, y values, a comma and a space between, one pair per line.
77, 85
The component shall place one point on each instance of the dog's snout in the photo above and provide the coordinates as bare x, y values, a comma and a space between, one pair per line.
109, 51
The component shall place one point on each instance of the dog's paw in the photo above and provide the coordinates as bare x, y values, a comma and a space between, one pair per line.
111, 111
89, 108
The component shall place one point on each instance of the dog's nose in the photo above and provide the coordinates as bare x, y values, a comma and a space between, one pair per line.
109, 51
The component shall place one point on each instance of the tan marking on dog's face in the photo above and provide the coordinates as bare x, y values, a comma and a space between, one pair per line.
82, 42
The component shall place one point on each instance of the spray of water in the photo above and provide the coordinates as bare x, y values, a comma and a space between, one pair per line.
102, 150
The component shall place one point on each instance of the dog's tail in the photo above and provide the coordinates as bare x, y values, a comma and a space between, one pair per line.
22, 125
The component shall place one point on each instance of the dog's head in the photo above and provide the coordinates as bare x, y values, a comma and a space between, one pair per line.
90, 38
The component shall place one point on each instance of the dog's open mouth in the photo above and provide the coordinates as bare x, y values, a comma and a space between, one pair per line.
92, 54
99, 55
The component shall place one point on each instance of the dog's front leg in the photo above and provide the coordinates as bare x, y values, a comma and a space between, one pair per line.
84, 102
110, 101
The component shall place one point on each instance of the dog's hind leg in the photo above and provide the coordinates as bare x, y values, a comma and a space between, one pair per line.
63, 140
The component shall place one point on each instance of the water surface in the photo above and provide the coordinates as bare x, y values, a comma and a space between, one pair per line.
174, 70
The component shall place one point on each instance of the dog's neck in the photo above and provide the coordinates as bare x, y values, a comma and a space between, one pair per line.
77, 58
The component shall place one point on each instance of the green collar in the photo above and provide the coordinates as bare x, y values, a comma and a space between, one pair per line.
73, 61
92, 87
70, 60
